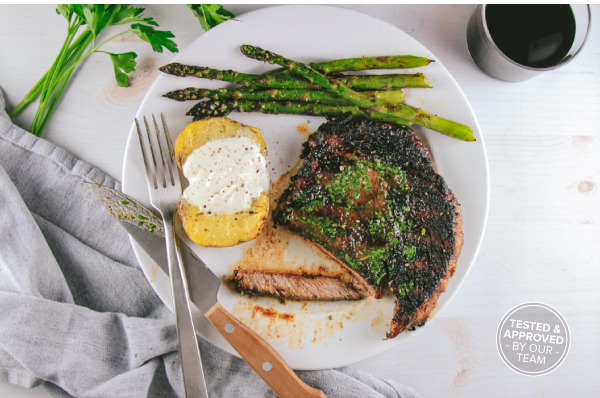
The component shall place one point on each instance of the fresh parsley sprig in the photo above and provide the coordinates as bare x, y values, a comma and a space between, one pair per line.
86, 23
210, 15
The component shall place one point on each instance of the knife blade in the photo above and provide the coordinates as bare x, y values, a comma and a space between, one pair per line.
127, 209
145, 228
203, 288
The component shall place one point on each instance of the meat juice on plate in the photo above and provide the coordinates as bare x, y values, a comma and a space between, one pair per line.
297, 323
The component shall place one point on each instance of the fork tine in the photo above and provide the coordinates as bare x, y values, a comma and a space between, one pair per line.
166, 155
172, 164
156, 154
146, 155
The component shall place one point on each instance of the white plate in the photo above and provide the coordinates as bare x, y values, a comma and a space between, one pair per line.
318, 335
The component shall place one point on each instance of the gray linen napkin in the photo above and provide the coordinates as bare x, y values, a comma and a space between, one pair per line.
77, 314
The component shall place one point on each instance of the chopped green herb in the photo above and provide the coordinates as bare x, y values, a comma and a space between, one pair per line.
362, 187
403, 288
409, 252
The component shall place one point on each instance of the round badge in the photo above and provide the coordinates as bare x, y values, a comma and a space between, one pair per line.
533, 339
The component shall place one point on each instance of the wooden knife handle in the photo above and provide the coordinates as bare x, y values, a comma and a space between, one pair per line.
261, 357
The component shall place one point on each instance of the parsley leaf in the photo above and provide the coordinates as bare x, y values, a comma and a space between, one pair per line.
123, 63
129, 15
157, 38
66, 10
97, 16
210, 15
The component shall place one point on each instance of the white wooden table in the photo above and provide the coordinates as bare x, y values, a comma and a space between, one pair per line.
543, 237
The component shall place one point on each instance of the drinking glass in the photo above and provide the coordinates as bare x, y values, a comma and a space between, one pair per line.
493, 61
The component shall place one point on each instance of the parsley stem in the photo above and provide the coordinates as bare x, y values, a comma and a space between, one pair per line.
29, 97
47, 92
42, 119
70, 53
93, 50
37, 88
85, 22
63, 82
112, 38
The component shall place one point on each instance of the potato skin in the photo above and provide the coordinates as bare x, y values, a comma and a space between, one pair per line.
212, 230
198, 133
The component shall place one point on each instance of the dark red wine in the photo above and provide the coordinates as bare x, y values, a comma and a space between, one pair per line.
534, 35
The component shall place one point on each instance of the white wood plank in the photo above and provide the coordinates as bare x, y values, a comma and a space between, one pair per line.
543, 142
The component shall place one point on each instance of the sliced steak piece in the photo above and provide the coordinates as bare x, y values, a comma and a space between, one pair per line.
292, 286
369, 194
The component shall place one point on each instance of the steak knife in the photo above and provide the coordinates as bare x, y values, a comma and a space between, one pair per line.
145, 228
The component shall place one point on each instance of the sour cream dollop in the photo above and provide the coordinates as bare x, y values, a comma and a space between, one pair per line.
225, 175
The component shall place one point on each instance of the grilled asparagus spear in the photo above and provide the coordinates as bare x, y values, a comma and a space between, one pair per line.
358, 82
221, 108
276, 94
384, 62
366, 63
364, 103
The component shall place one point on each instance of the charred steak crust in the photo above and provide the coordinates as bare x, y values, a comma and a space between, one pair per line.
288, 286
370, 195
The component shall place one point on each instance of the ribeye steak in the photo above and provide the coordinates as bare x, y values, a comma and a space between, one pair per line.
369, 194
293, 286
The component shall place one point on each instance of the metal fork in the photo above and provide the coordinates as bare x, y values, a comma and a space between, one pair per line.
165, 190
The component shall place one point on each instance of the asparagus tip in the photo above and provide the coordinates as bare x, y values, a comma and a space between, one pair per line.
173, 95
254, 52
173, 68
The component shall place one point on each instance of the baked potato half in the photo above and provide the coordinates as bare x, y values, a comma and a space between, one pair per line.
219, 230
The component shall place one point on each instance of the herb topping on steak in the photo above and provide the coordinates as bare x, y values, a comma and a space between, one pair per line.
369, 194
